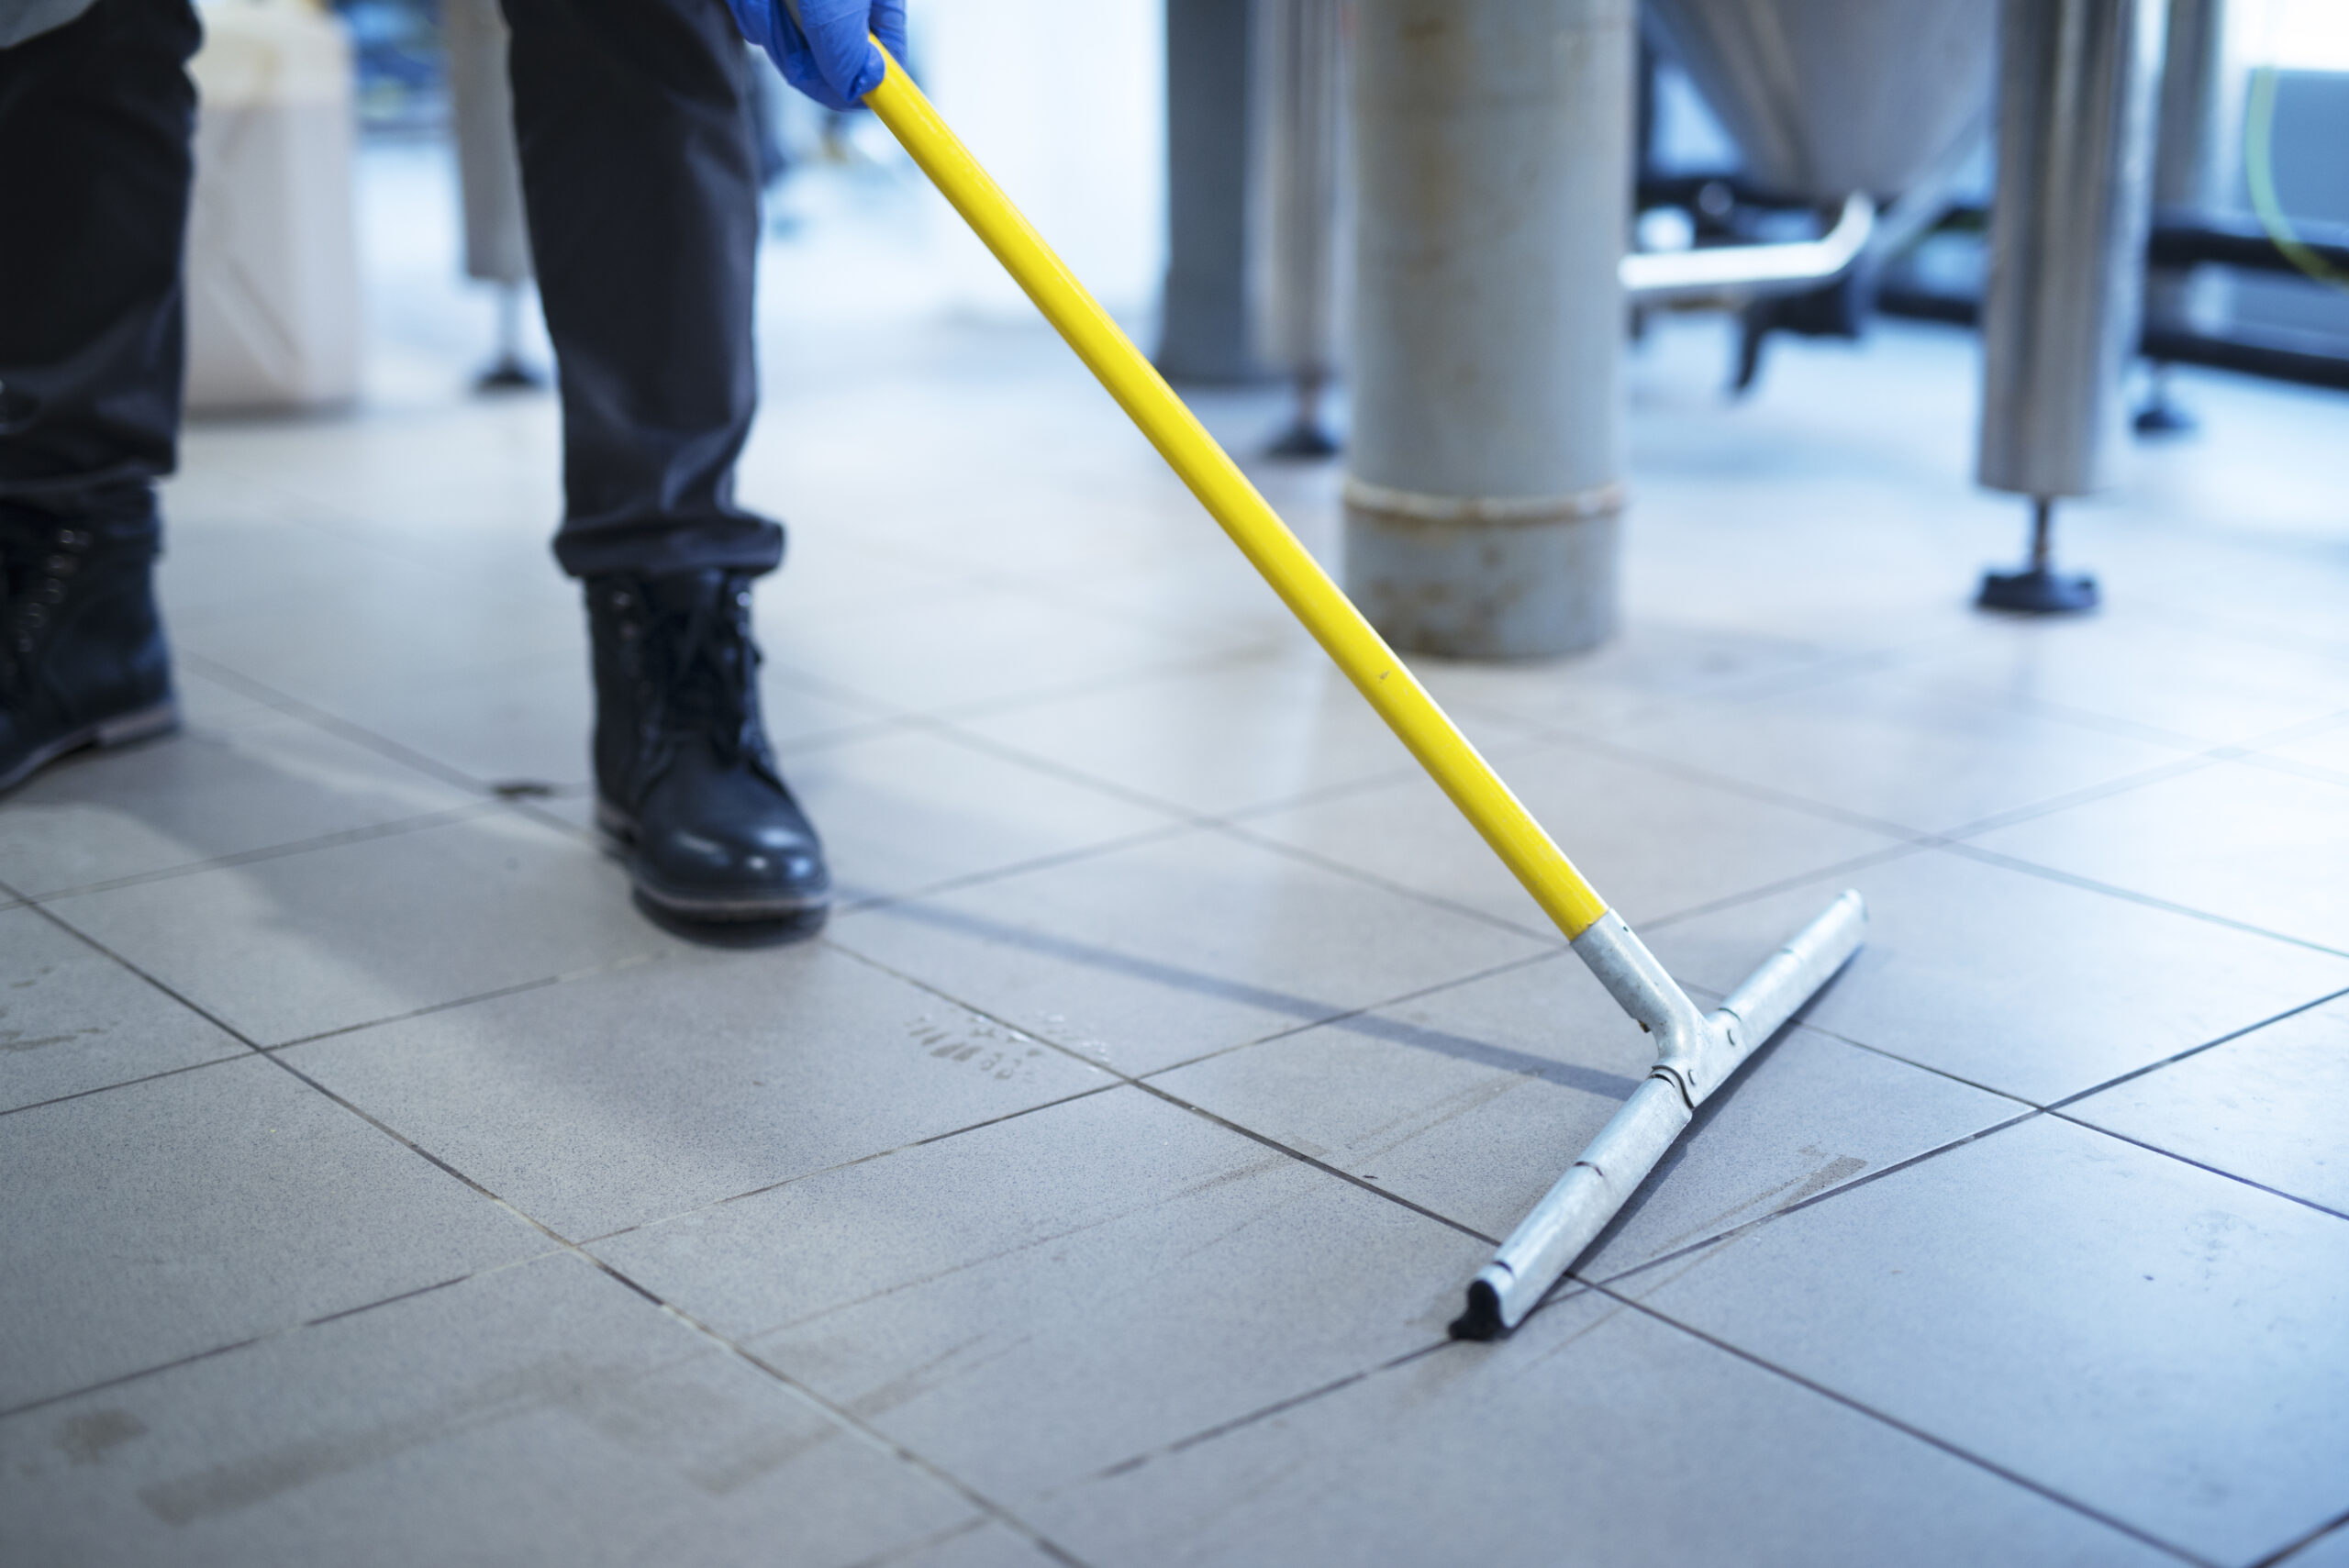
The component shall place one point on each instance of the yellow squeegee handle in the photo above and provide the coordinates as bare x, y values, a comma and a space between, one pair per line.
1254, 526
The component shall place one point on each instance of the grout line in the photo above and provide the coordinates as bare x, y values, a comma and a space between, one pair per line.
1020, 868
2236, 1177
391, 829
243, 1053
2201, 754
1739, 1231
2125, 785
1128, 1080
795, 1179
907, 1550
1976, 1085
2196, 1049
2291, 767
841, 1413
947, 713
947, 729
283, 1331
120, 1379
836, 1412
202, 1012
357, 735
1953, 1450
1737, 785
2267, 638
1836, 873
1339, 1021
1277, 1407
1548, 935
2051, 873
1322, 1165
612, 966
2277, 1558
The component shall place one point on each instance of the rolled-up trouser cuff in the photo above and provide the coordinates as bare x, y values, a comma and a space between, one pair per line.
736, 541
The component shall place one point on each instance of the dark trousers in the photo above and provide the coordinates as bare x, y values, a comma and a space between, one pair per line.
640, 175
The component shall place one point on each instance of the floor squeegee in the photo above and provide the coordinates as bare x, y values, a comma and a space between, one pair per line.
1695, 1052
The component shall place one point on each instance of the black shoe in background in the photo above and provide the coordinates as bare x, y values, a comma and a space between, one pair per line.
82, 660
684, 776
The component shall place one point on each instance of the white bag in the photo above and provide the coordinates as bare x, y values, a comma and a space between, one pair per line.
273, 254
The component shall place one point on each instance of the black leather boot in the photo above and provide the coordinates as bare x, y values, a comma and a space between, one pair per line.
82, 655
684, 776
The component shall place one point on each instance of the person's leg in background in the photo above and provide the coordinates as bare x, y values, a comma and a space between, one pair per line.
96, 118
639, 173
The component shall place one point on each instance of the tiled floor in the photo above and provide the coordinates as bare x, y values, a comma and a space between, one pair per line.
381, 1187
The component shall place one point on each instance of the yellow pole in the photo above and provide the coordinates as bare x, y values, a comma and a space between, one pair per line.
1254, 526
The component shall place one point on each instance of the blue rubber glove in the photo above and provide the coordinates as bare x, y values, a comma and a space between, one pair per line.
825, 54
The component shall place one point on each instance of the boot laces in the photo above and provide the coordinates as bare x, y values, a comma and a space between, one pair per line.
700, 666
35, 566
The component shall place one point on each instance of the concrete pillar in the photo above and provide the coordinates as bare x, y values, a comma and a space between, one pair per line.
1493, 159
1204, 330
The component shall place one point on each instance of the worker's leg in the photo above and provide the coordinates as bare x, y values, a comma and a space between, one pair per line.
639, 173
95, 122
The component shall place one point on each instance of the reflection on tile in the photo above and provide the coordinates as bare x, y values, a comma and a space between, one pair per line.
2160, 1343
2268, 1105
217, 565
1893, 750
73, 1020
539, 1413
289, 947
2141, 670
394, 623
1216, 589
1471, 1101
1652, 842
906, 810
1146, 955
2330, 1550
1548, 1447
201, 796
615, 1099
164, 1219
1032, 1300
2326, 750
2266, 848
981, 646
1641, 671
988, 1545
530, 720
208, 704
1219, 737
2023, 985
833, 572
534, 721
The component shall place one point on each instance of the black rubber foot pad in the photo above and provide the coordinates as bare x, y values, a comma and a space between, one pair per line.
509, 375
1483, 1319
2036, 593
1305, 440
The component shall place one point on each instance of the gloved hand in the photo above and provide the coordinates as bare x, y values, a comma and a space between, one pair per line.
825, 54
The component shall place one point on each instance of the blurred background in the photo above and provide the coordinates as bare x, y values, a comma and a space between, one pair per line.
1069, 105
